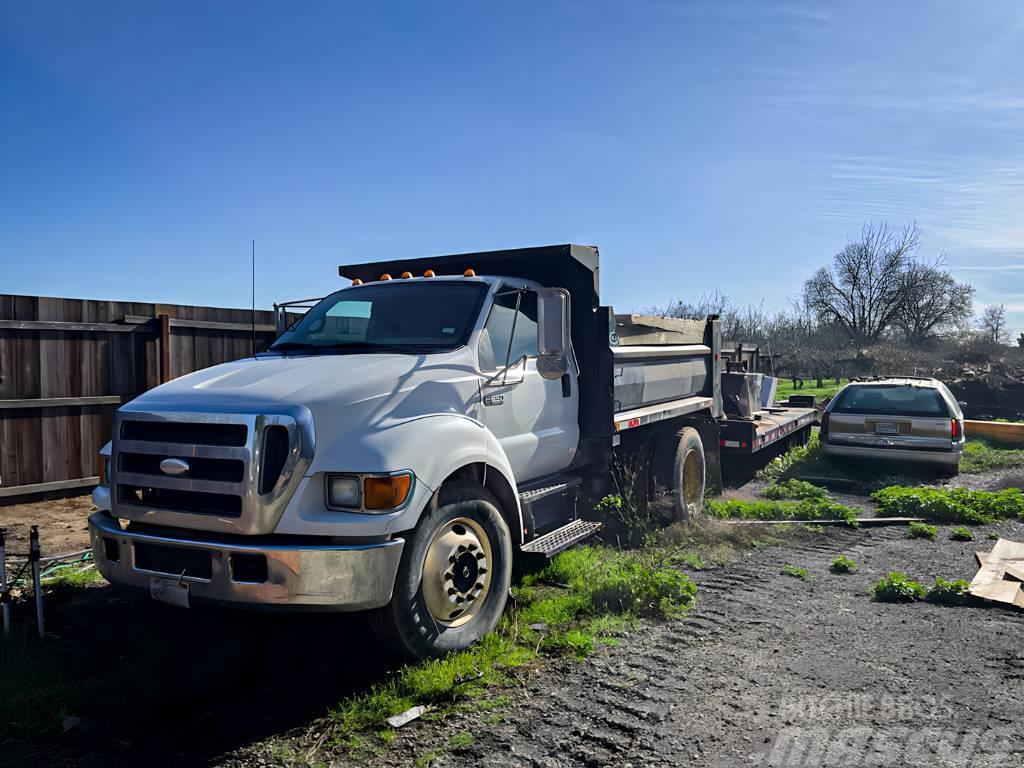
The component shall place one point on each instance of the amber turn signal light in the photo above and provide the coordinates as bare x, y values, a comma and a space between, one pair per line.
386, 492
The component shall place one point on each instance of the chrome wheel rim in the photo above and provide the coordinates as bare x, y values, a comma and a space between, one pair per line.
457, 572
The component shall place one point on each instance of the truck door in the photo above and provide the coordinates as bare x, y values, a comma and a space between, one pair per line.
535, 419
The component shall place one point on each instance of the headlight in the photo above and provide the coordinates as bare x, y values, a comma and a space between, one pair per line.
343, 491
368, 493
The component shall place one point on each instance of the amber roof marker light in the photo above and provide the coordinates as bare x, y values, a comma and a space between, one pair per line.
469, 273
357, 281
385, 276
429, 273
406, 275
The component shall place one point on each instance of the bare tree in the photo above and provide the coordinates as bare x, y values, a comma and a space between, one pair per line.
933, 302
864, 289
992, 324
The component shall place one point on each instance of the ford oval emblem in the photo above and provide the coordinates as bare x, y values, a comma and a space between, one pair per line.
174, 466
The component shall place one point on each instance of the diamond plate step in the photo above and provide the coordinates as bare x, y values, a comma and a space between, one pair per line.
554, 542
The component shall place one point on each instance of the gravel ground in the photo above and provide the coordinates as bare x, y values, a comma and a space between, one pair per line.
772, 670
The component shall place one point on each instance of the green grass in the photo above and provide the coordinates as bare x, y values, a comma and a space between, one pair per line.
993, 536
983, 456
828, 388
843, 564
897, 587
795, 572
961, 534
952, 505
922, 531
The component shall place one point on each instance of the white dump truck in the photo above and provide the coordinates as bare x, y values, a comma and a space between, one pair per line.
410, 436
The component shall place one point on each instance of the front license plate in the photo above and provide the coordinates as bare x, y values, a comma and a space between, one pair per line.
169, 591
887, 428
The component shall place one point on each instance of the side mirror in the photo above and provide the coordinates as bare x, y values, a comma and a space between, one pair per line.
553, 340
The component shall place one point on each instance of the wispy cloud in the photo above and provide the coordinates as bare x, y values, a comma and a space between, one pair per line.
754, 12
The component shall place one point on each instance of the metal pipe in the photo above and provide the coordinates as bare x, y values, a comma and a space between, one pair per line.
37, 584
3, 583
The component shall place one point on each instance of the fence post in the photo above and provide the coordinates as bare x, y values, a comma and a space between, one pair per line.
165, 348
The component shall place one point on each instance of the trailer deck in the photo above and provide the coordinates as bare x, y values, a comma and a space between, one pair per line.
776, 423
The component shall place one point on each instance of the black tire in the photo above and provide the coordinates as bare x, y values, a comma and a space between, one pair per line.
680, 470
406, 623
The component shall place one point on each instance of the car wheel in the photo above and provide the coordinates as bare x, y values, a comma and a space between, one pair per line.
454, 577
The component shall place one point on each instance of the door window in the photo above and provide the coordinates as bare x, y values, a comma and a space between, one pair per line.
494, 341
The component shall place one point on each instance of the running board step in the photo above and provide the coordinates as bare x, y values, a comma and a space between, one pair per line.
536, 494
554, 542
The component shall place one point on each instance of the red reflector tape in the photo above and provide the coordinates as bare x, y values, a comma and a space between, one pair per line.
633, 423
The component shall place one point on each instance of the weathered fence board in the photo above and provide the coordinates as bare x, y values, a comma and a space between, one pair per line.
67, 364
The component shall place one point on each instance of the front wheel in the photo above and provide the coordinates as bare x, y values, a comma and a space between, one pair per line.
454, 578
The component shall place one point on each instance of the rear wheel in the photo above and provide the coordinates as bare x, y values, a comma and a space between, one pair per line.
679, 469
454, 577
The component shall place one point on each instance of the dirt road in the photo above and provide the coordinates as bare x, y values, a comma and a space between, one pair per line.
774, 670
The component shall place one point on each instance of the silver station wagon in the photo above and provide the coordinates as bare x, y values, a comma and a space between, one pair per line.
900, 419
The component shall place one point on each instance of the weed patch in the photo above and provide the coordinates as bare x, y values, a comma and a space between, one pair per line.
961, 534
948, 592
922, 531
843, 564
788, 464
795, 571
806, 509
897, 587
795, 489
953, 505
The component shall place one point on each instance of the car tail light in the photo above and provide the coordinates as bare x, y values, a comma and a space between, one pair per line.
824, 425
956, 429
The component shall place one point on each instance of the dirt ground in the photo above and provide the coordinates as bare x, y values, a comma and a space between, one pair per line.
768, 670
63, 524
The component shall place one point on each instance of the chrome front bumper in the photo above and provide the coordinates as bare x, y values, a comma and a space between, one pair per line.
338, 577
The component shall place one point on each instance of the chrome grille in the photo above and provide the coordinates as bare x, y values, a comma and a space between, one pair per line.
225, 487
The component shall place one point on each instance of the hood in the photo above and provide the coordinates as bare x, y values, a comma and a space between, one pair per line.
393, 385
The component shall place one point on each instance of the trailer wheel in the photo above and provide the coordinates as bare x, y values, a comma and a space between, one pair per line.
454, 578
679, 468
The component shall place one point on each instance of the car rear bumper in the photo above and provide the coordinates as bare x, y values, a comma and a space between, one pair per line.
949, 458
339, 577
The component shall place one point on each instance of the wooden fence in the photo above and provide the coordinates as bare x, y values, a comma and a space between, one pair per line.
67, 364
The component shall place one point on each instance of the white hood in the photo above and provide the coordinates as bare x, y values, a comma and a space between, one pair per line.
390, 385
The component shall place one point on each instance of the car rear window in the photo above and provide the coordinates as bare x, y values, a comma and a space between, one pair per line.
895, 400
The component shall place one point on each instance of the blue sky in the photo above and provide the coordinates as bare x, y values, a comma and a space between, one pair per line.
701, 145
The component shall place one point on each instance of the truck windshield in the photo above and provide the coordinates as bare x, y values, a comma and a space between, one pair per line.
390, 317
